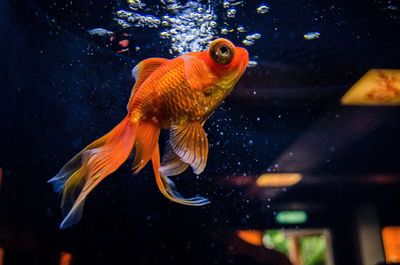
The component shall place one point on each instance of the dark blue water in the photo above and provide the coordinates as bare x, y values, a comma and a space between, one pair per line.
62, 89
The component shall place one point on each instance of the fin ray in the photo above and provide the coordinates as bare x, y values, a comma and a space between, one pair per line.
190, 143
172, 164
146, 141
89, 167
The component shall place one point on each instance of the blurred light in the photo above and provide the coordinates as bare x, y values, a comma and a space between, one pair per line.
241, 180
376, 87
278, 179
253, 237
1, 256
65, 258
391, 243
291, 217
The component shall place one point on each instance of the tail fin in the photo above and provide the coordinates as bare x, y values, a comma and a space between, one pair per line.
85, 170
167, 186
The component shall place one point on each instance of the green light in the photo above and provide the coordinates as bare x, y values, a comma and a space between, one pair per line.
291, 217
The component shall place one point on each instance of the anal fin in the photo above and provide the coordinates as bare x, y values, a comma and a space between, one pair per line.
146, 141
167, 187
172, 164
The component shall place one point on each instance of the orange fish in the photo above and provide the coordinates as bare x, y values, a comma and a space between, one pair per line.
178, 95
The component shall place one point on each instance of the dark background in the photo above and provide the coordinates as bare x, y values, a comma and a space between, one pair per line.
61, 89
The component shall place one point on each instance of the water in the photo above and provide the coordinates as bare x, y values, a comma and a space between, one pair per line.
287, 161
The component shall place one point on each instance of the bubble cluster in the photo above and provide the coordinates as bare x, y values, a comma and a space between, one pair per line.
130, 19
191, 29
230, 25
190, 26
254, 36
249, 40
136, 4
229, 4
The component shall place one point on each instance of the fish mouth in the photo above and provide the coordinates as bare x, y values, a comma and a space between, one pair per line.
243, 57
244, 61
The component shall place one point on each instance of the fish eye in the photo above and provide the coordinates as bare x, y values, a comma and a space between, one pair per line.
221, 51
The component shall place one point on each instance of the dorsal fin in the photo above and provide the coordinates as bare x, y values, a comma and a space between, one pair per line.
143, 70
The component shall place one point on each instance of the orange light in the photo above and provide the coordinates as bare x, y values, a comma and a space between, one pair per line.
253, 237
65, 258
278, 179
391, 243
376, 87
1, 256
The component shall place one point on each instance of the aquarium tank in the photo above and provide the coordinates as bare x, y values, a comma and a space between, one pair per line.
200, 132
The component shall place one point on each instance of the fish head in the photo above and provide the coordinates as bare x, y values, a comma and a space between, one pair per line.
226, 61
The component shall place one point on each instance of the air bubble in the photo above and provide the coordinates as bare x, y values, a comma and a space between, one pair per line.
247, 42
231, 13
311, 35
262, 9
241, 29
252, 64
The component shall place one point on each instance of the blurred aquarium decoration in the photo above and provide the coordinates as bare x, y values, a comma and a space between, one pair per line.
302, 246
302, 167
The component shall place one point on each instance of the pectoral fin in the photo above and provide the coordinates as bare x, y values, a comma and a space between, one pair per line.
190, 143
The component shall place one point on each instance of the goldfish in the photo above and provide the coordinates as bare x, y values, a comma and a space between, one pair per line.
178, 95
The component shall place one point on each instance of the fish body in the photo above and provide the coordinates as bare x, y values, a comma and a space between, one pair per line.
169, 98
178, 95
